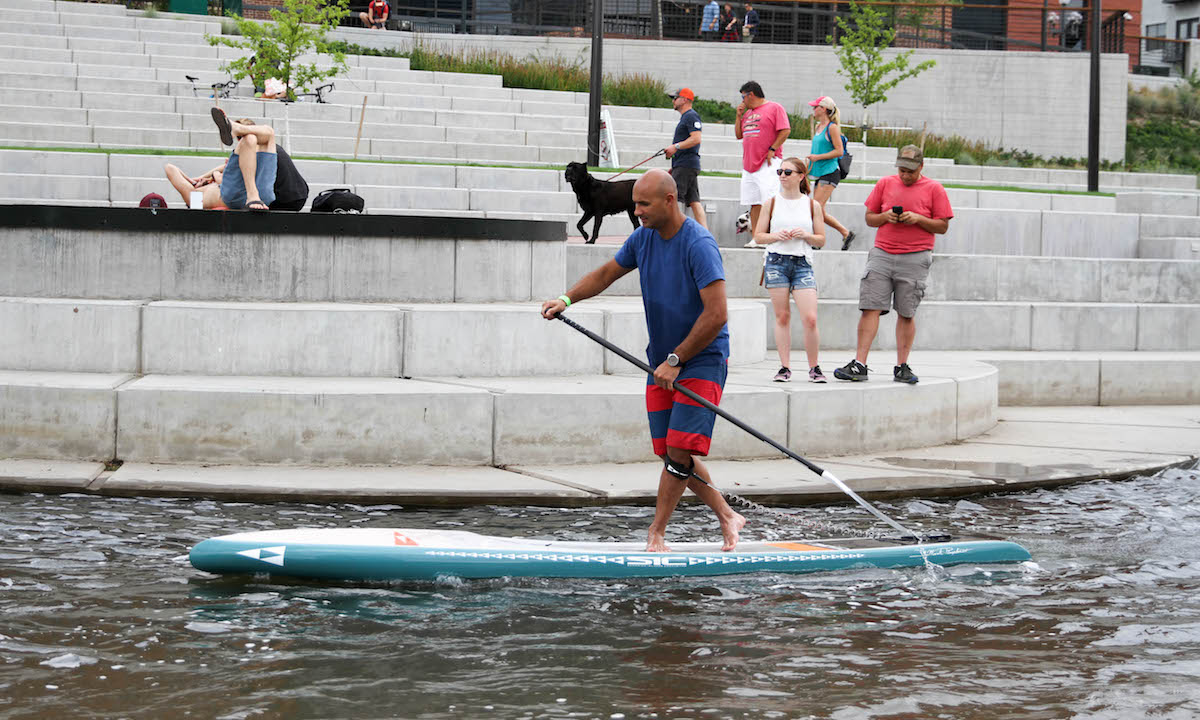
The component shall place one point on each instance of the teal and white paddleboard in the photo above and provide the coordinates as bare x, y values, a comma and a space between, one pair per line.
390, 554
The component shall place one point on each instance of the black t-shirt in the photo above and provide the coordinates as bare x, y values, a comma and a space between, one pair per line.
290, 188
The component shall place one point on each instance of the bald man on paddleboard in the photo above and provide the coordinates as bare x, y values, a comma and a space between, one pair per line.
683, 294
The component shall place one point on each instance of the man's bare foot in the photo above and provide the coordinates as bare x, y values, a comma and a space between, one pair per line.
730, 529
658, 543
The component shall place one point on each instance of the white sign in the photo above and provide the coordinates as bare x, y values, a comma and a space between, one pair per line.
608, 142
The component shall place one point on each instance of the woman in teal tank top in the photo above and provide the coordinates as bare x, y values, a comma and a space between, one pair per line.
828, 144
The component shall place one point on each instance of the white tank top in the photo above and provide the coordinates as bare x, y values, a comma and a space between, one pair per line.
787, 215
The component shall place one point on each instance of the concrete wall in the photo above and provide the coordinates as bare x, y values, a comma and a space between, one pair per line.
1030, 101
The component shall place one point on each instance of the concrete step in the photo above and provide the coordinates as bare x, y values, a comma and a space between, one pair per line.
485, 421
59, 415
279, 268
330, 339
1017, 326
987, 278
1079, 378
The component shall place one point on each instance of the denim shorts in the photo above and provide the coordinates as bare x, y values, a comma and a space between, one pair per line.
233, 190
789, 271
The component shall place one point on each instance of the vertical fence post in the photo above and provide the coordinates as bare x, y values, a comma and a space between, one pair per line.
1094, 101
1045, 15
596, 84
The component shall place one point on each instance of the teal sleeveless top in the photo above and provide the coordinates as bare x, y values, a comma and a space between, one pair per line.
821, 143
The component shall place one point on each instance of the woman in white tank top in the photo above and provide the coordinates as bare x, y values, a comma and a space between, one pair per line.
791, 225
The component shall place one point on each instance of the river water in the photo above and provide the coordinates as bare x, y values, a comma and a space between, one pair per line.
101, 616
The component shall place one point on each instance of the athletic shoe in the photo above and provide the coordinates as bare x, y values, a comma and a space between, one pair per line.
853, 370
753, 244
903, 373
815, 375
847, 240
784, 375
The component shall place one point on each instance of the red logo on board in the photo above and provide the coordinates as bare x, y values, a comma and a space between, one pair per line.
402, 539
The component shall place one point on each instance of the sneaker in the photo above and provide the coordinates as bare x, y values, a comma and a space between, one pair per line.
752, 244
815, 375
847, 240
903, 373
784, 375
853, 370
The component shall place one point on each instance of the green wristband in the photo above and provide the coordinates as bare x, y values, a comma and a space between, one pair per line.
565, 299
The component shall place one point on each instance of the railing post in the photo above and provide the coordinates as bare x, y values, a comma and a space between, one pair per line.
1044, 17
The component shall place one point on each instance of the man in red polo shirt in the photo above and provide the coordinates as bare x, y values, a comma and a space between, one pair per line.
909, 209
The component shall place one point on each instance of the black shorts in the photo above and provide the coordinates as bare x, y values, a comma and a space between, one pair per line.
686, 181
832, 178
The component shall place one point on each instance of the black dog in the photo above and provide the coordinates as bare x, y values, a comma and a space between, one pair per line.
599, 198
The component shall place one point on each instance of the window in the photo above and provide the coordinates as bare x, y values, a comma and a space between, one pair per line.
1157, 30
1186, 29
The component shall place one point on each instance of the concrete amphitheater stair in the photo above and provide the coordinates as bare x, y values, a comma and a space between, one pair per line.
986, 221
91, 52
210, 341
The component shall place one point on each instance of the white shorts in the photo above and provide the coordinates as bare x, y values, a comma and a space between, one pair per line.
762, 184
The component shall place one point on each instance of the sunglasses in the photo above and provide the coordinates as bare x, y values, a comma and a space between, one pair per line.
782, 171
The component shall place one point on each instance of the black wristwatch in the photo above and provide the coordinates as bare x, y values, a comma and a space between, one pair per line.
673, 360
772, 148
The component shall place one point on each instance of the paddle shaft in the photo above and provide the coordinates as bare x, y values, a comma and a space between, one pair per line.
781, 448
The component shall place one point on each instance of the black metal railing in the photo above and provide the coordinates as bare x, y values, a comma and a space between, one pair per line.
1160, 56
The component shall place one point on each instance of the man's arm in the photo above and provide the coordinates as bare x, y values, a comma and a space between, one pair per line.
590, 285
780, 137
692, 140
704, 331
937, 226
737, 123
879, 219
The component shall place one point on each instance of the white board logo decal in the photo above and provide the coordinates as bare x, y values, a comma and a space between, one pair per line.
273, 555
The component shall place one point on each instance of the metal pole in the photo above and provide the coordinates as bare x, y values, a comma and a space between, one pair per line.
597, 79
1094, 103
1044, 8
656, 25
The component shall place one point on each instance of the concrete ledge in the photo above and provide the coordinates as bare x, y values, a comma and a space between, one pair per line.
412, 484
60, 416
1030, 447
421, 259
304, 339
1082, 378
303, 420
957, 277
91, 336
47, 475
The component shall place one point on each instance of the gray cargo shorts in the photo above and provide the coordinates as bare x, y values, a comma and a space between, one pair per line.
894, 281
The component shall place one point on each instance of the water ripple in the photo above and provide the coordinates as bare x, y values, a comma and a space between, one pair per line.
103, 617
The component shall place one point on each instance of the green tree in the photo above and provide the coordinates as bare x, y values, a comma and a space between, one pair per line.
276, 48
860, 46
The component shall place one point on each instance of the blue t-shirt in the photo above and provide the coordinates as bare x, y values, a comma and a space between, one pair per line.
672, 274
689, 122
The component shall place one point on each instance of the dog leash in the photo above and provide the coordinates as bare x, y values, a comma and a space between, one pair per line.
660, 152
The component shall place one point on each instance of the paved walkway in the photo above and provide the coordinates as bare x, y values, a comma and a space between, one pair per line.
1030, 447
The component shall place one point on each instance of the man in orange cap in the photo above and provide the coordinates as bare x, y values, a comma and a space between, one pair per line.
684, 153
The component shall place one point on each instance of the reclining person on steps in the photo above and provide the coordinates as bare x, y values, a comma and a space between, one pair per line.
209, 184
259, 174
